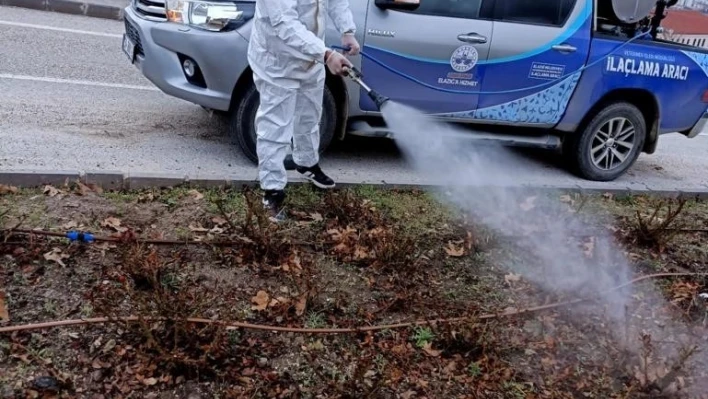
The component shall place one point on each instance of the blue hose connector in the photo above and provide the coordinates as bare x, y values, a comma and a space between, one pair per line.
80, 236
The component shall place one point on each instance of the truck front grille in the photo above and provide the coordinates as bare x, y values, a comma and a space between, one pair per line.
153, 10
134, 36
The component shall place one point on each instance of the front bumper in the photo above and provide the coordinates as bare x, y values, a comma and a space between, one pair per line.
221, 57
699, 127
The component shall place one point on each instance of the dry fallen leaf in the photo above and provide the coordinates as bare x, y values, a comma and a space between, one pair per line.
612, 228
114, 223
219, 221
260, 301
512, 278
70, 225
109, 346
528, 204
278, 301
7, 189
301, 304
195, 194
316, 217
96, 188
360, 253
51, 191
450, 368
454, 250
589, 247
4, 314
510, 310
82, 189
56, 256
150, 381
428, 349
197, 228
408, 394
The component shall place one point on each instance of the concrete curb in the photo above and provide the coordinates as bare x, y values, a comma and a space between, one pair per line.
73, 7
117, 181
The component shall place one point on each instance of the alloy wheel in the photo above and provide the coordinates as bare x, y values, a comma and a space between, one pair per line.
612, 143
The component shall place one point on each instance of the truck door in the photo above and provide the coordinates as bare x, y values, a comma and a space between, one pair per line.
537, 46
440, 44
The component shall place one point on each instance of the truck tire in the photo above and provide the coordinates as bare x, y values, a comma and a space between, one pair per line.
242, 128
608, 144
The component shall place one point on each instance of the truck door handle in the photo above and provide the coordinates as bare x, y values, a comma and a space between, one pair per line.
471, 38
564, 48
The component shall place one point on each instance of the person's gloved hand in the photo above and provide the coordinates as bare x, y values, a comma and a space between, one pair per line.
349, 41
337, 63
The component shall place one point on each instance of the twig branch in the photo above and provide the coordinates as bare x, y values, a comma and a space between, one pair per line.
220, 207
665, 381
250, 326
649, 231
7, 233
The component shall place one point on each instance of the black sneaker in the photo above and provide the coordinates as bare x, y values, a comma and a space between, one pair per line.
273, 203
316, 176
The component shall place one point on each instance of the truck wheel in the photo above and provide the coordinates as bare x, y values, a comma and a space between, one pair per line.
609, 144
242, 127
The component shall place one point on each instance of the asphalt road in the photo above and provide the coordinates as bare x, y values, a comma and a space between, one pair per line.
69, 100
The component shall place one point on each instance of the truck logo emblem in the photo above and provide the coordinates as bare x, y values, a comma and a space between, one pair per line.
464, 58
382, 33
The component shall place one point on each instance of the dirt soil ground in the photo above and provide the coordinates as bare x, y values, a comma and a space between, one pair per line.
344, 259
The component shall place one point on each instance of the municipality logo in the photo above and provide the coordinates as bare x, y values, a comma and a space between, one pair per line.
464, 58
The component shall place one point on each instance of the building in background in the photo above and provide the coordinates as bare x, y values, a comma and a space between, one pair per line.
700, 5
686, 26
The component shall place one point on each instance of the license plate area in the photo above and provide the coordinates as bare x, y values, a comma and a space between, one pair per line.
128, 48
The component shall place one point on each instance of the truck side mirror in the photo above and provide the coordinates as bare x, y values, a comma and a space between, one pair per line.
408, 5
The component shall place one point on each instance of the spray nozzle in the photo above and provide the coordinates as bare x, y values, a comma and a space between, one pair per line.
378, 99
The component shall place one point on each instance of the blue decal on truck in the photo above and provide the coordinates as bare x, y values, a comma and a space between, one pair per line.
657, 69
542, 70
499, 83
700, 59
544, 107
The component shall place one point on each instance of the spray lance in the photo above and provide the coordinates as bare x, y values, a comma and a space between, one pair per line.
354, 74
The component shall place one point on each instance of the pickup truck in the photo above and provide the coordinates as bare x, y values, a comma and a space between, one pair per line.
591, 78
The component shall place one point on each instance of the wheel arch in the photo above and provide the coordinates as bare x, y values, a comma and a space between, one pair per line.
338, 88
242, 84
644, 100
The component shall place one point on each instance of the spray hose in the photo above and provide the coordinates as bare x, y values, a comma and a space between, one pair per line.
418, 81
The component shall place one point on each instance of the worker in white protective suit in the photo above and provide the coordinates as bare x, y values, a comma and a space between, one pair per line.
288, 55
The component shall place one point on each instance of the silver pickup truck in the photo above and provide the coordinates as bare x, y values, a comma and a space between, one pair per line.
590, 77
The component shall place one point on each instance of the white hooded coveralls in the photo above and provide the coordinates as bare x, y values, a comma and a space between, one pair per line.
286, 53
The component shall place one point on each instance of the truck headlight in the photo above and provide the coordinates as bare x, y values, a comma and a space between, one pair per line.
210, 15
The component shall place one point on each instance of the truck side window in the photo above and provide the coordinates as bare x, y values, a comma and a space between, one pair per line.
469, 9
541, 12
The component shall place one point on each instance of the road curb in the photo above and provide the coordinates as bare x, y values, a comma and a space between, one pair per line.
69, 7
118, 181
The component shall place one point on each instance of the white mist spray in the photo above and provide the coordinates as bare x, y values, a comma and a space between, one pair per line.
486, 182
